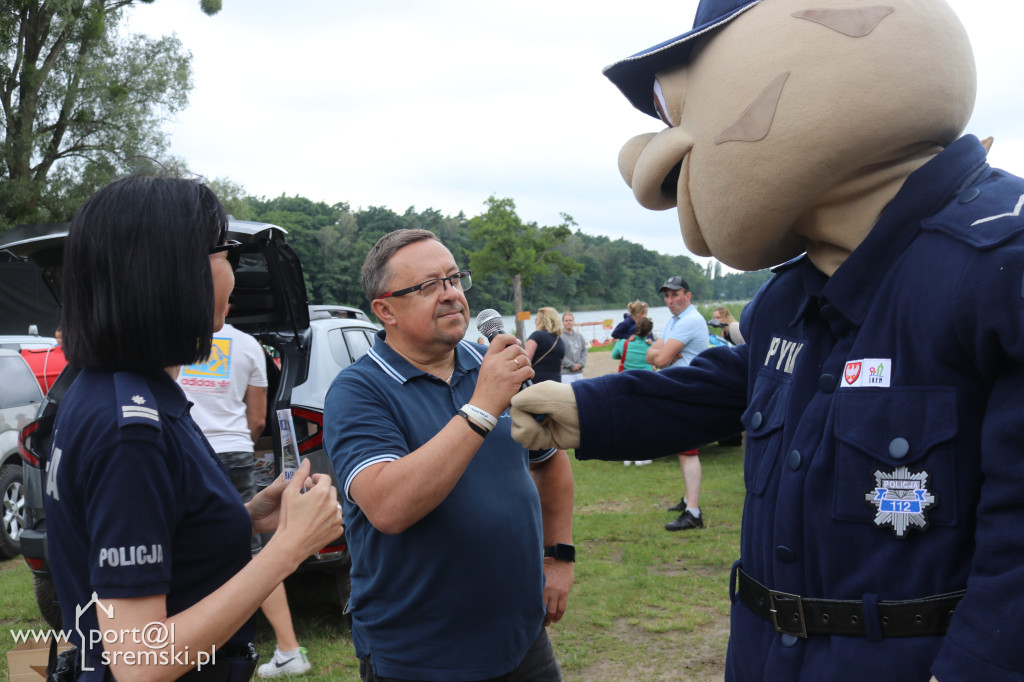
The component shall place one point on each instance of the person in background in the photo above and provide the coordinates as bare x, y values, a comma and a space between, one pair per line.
633, 353
576, 347
545, 348
685, 336
460, 538
635, 311
229, 396
721, 317
144, 527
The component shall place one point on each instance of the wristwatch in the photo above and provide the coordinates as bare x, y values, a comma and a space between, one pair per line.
561, 552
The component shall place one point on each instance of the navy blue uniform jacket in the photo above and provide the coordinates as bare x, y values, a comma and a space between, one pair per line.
884, 411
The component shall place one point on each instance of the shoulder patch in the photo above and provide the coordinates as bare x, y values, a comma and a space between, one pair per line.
984, 215
136, 405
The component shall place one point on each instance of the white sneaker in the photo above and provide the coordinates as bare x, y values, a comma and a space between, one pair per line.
644, 462
286, 664
627, 463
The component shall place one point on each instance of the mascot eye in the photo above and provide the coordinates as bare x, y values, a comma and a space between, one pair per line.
661, 106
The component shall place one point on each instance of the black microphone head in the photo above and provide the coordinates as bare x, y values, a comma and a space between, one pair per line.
489, 323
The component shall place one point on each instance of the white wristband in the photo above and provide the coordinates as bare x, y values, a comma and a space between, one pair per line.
484, 417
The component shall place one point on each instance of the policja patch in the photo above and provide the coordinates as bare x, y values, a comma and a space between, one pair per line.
901, 499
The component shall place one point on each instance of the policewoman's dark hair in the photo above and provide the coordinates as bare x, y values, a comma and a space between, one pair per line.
138, 289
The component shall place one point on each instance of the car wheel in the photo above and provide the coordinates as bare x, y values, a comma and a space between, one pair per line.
46, 599
13, 510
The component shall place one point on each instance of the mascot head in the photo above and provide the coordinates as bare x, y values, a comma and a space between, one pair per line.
792, 123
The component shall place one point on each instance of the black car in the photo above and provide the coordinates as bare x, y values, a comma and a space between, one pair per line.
268, 301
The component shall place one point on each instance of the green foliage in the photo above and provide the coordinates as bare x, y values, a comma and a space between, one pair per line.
82, 102
558, 267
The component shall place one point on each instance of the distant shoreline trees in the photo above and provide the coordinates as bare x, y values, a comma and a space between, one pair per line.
578, 272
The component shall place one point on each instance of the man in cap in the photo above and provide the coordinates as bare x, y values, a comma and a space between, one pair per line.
685, 335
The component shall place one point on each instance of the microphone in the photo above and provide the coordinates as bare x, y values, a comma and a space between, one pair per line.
489, 323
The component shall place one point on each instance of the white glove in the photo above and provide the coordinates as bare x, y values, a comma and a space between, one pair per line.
561, 426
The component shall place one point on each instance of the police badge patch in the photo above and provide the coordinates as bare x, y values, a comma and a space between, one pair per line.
901, 499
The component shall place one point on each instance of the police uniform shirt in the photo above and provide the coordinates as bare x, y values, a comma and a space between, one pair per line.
137, 503
883, 415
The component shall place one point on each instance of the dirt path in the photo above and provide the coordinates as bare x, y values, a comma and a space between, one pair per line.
598, 363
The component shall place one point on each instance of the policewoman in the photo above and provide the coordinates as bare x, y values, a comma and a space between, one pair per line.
148, 540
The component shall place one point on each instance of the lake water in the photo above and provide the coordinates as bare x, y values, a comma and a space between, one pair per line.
592, 332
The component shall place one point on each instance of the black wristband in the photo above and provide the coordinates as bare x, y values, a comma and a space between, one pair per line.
473, 425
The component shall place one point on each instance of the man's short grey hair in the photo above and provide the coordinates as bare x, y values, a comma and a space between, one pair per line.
376, 273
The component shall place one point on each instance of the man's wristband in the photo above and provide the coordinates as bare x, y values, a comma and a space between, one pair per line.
481, 416
482, 432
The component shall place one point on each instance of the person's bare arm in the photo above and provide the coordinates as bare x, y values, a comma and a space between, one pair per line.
554, 481
255, 400
664, 352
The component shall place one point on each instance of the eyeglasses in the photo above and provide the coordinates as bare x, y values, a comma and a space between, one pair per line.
460, 281
226, 246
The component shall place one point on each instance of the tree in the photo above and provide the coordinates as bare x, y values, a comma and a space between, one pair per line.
80, 103
516, 251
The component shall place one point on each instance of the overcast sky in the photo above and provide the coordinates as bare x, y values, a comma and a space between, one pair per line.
441, 104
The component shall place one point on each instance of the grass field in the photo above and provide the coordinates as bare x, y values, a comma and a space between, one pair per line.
647, 604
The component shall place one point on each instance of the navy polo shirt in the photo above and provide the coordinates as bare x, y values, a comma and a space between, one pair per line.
882, 408
137, 503
458, 595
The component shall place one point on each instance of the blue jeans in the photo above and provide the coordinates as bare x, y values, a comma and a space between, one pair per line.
538, 665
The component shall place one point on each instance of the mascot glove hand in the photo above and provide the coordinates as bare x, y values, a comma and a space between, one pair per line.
561, 426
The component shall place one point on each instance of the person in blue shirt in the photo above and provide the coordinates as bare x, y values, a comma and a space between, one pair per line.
881, 534
684, 337
146, 533
460, 539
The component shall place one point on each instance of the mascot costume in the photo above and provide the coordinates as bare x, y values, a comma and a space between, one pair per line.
883, 526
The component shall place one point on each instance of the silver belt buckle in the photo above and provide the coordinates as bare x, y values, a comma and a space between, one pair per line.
772, 594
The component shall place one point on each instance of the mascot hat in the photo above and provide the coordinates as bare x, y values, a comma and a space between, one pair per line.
634, 75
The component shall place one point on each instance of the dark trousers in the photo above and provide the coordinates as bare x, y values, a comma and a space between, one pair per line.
538, 665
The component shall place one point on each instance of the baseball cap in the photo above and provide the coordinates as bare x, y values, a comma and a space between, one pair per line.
634, 75
674, 283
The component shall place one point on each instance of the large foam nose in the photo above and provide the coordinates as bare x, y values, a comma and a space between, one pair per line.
650, 165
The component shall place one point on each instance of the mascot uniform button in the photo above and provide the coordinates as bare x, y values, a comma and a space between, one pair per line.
756, 419
785, 554
827, 383
830, 312
789, 640
794, 460
898, 448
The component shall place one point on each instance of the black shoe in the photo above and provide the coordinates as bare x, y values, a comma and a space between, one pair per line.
681, 507
686, 521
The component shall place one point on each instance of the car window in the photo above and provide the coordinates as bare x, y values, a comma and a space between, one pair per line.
358, 344
19, 387
348, 345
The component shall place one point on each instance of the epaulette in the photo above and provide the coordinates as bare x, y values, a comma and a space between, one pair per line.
985, 214
135, 402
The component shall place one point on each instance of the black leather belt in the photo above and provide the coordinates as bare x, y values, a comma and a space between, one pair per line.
795, 615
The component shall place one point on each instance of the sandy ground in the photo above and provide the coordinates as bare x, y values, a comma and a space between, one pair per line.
599, 363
